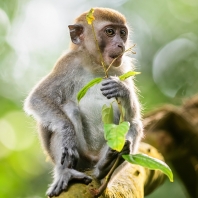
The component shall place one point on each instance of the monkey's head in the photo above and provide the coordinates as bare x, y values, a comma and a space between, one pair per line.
111, 32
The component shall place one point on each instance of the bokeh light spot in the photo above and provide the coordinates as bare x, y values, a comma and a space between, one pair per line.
15, 131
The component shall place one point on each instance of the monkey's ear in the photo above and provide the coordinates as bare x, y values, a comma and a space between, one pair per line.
76, 33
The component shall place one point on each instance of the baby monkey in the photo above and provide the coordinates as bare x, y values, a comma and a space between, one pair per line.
72, 134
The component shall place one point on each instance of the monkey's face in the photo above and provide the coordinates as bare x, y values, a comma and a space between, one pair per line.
111, 37
112, 40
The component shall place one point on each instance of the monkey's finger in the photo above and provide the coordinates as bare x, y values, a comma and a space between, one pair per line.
113, 95
63, 157
110, 87
111, 153
74, 161
71, 161
50, 194
108, 81
87, 180
126, 148
81, 176
64, 186
127, 144
50, 191
111, 91
57, 191
61, 185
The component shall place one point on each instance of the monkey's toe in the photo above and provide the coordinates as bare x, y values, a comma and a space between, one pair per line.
57, 188
87, 180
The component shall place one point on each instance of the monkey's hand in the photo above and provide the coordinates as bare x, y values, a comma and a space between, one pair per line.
69, 157
69, 153
62, 178
112, 87
106, 163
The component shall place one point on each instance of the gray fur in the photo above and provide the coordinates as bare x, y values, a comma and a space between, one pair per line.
72, 133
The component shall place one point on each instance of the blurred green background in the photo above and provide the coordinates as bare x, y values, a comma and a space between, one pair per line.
33, 34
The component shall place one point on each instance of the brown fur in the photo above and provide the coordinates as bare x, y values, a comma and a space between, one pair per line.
73, 132
100, 14
104, 14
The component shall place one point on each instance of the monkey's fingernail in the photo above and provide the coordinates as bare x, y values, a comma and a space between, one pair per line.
62, 161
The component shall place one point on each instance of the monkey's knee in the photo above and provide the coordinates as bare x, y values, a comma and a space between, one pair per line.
45, 139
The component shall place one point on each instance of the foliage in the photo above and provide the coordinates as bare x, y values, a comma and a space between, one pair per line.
115, 134
149, 162
84, 90
128, 74
24, 173
90, 17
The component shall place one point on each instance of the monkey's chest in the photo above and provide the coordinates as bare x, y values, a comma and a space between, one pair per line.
91, 113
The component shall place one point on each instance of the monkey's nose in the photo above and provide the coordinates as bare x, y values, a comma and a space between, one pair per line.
121, 47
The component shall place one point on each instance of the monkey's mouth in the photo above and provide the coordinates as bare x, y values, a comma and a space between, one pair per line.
115, 60
115, 56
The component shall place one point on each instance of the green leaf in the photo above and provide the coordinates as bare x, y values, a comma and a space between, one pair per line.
122, 113
128, 74
84, 90
90, 17
115, 135
107, 114
149, 162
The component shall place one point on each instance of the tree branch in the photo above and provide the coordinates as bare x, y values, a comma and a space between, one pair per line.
142, 181
174, 132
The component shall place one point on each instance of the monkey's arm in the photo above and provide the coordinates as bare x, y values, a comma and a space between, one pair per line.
58, 134
125, 92
44, 105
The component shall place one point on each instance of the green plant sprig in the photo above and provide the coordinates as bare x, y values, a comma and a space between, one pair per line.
130, 49
90, 18
115, 134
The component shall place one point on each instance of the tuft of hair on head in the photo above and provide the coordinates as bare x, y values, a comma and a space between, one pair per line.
104, 14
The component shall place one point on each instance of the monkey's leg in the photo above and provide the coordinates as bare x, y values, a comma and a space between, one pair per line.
63, 173
105, 164
58, 135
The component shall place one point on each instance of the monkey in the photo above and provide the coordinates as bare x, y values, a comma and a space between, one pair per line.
72, 133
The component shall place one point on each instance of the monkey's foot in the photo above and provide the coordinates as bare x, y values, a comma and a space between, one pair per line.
61, 181
105, 164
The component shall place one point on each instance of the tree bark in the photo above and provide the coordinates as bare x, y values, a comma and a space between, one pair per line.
142, 180
174, 132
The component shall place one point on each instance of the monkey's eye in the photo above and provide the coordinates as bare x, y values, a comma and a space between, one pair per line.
110, 32
123, 33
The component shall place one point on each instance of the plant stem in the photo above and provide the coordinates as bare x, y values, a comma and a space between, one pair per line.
101, 58
120, 109
130, 49
99, 191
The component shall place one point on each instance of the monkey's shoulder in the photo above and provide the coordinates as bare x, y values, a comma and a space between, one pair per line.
69, 62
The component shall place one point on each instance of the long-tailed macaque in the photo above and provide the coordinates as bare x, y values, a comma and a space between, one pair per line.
71, 133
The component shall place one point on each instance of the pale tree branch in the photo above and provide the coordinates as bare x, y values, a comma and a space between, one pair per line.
142, 180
